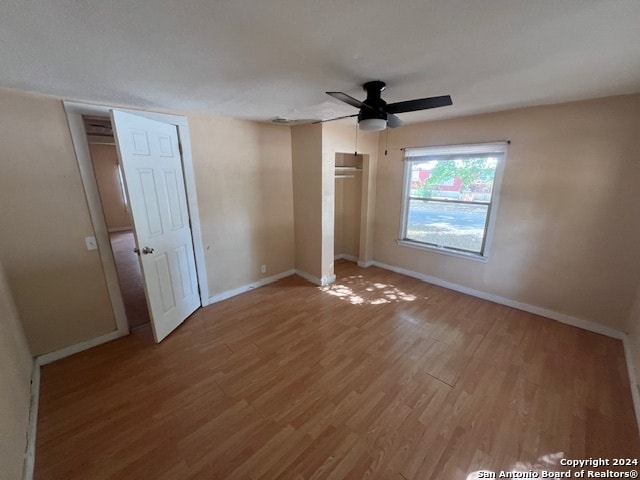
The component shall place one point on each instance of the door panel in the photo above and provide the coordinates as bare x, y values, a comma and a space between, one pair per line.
163, 278
151, 211
153, 177
183, 267
173, 199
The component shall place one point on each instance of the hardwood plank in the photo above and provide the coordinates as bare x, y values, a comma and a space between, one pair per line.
378, 376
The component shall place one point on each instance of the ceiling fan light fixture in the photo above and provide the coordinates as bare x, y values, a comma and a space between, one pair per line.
372, 124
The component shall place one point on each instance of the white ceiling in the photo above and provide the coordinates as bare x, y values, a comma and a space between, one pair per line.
260, 59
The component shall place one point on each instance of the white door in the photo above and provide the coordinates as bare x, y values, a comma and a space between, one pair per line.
152, 165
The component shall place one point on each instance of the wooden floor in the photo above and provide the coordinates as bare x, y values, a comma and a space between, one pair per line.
129, 278
379, 376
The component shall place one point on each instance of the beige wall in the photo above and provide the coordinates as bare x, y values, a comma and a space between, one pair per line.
567, 230
243, 178
15, 387
58, 286
314, 150
306, 150
105, 165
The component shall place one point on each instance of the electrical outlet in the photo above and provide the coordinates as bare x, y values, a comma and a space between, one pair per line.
263, 269
91, 243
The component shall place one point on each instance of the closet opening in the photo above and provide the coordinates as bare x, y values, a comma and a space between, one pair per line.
348, 205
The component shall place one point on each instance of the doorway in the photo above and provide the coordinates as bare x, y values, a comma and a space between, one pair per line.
117, 215
76, 113
130, 278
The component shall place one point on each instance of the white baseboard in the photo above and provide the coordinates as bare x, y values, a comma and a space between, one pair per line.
351, 258
321, 282
346, 256
308, 277
633, 378
543, 312
327, 280
79, 347
30, 453
245, 288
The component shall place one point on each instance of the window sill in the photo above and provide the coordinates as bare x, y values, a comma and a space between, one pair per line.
444, 251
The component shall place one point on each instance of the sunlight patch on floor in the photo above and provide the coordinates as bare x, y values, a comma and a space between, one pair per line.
357, 291
546, 463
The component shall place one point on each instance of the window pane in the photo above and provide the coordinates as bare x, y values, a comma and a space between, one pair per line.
454, 225
467, 179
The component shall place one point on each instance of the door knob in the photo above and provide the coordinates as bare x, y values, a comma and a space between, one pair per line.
136, 250
147, 250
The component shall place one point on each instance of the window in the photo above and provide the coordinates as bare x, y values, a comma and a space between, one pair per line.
450, 197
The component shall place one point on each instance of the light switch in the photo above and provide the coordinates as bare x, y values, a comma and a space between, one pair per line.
91, 242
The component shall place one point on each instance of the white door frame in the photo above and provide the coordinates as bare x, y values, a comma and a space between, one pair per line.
75, 111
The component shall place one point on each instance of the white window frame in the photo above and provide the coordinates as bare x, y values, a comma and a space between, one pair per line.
418, 154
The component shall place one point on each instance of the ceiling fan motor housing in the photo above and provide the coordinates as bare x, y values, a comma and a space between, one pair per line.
374, 100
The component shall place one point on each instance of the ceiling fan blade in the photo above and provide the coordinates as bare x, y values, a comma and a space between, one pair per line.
393, 121
337, 118
419, 104
343, 97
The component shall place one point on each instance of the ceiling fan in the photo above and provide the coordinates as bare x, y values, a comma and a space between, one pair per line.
375, 114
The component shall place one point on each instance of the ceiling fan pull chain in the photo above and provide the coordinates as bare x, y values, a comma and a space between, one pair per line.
386, 143
355, 154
